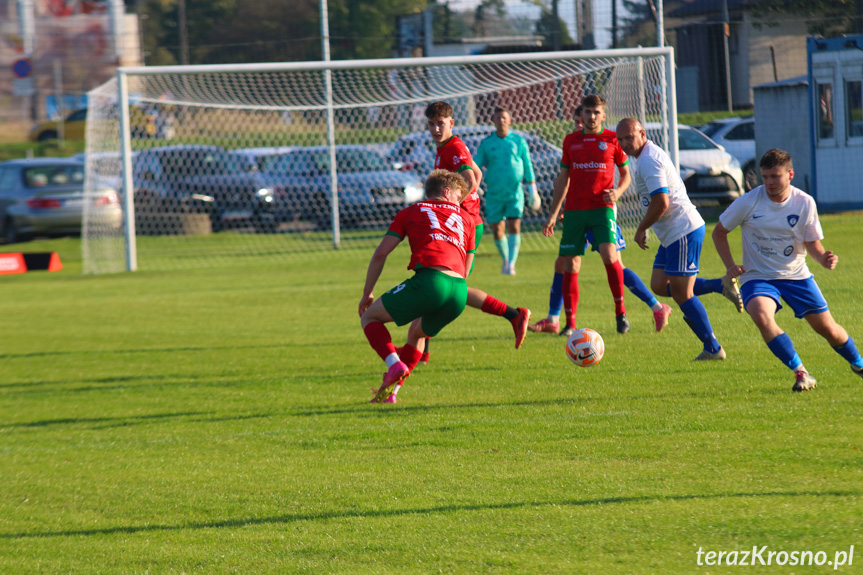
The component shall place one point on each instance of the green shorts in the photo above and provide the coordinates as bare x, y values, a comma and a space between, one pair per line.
432, 295
479, 229
577, 223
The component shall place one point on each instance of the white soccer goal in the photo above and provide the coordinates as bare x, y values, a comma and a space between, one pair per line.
224, 162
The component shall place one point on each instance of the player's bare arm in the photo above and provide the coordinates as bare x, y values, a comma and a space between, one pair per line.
468, 261
720, 240
658, 205
613, 195
824, 257
478, 173
376, 266
560, 185
472, 180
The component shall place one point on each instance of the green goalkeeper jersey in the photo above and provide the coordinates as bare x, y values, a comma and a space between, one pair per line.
507, 163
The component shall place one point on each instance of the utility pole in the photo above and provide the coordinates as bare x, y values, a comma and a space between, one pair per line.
726, 32
184, 36
555, 34
614, 23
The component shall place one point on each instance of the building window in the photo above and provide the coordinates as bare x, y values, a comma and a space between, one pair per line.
854, 102
825, 111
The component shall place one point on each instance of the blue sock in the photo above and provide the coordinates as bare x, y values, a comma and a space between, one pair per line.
637, 287
703, 286
848, 350
694, 311
555, 298
783, 348
514, 245
502, 248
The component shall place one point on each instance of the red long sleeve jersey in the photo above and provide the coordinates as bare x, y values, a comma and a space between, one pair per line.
439, 234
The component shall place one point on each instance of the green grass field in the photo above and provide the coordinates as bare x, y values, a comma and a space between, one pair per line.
215, 421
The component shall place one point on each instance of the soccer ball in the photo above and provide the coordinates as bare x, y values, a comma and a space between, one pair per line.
585, 347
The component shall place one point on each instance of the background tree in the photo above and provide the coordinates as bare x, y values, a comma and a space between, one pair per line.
365, 28
638, 23
548, 26
823, 17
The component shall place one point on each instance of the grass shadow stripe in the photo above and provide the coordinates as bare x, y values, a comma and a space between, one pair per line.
440, 510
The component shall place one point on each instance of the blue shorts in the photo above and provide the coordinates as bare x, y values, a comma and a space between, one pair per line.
682, 257
621, 243
803, 296
508, 208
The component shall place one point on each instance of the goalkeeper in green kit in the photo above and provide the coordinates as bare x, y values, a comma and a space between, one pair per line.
506, 159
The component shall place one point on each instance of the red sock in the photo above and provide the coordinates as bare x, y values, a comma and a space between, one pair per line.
493, 306
570, 297
615, 282
379, 338
410, 355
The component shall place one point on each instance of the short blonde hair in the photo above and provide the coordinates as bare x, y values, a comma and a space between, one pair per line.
439, 180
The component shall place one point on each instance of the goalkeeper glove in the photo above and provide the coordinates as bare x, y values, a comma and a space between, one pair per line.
535, 202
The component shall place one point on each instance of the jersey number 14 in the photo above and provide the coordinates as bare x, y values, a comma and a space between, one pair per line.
453, 223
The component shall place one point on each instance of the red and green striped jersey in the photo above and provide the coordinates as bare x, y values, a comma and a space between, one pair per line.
591, 159
455, 157
439, 234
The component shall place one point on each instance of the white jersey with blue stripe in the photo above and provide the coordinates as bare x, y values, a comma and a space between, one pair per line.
654, 171
774, 234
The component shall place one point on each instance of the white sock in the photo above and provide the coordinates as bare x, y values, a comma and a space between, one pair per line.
392, 359
802, 368
553, 318
396, 389
656, 307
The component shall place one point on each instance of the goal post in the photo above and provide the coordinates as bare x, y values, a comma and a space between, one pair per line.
222, 163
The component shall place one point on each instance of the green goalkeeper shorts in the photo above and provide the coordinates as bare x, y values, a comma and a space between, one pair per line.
432, 295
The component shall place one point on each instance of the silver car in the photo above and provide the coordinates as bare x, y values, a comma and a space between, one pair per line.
46, 197
737, 136
711, 175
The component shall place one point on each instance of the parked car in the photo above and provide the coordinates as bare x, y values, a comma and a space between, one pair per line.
259, 158
205, 179
709, 173
46, 196
737, 136
416, 152
370, 191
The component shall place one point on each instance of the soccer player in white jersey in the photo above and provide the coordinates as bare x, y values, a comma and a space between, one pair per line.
680, 229
779, 224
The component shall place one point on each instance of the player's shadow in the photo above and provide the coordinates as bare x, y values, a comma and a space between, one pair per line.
130, 421
184, 349
403, 410
388, 513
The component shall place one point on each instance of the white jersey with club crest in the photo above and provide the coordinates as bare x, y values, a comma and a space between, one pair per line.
774, 234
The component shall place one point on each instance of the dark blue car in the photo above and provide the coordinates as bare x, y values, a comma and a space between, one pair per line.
209, 180
370, 192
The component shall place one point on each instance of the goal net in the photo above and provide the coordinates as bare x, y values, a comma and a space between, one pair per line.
234, 162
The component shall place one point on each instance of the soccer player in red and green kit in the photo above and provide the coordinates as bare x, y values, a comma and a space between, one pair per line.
586, 182
441, 238
454, 156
